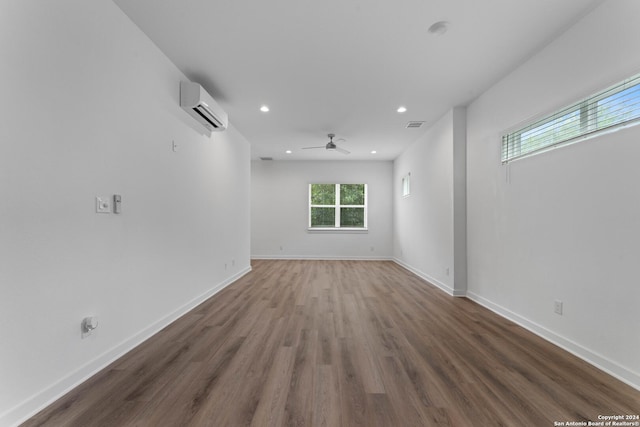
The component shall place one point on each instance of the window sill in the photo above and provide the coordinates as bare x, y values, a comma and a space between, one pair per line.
345, 230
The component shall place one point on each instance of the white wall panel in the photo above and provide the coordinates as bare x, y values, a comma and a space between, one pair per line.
565, 224
280, 210
90, 107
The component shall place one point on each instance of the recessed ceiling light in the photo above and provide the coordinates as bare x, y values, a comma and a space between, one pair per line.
373, 152
439, 28
264, 108
402, 109
288, 151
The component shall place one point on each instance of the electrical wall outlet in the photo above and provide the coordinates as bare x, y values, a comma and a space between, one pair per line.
557, 307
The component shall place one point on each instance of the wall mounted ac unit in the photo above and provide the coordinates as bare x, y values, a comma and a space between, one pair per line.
199, 104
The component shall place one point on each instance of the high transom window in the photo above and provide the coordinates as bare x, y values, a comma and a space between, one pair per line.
338, 206
614, 107
406, 185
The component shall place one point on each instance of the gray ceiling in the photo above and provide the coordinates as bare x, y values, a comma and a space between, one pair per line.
345, 66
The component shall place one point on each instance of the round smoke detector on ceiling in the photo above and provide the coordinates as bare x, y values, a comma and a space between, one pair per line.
439, 28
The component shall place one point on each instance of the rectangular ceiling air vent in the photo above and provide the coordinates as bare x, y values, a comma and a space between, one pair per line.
412, 125
266, 158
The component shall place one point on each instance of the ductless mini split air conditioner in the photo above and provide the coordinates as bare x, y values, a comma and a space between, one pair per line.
202, 107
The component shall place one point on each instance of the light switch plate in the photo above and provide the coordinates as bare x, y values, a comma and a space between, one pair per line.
103, 204
117, 203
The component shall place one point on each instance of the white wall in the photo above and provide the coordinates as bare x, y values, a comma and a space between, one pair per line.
566, 225
429, 224
280, 210
90, 107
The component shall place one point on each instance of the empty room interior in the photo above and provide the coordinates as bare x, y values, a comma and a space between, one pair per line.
339, 213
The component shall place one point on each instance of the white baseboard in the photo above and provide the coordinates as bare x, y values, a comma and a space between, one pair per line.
448, 289
36, 403
601, 362
322, 257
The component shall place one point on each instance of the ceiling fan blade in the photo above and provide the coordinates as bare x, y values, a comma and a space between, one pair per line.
342, 150
311, 148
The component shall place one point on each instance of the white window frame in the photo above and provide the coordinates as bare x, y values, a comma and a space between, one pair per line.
585, 115
406, 185
337, 206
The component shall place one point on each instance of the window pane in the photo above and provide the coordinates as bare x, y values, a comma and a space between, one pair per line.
406, 185
352, 194
559, 129
323, 217
323, 194
351, 217
621, 107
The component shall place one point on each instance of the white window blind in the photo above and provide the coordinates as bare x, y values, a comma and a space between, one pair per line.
617, 106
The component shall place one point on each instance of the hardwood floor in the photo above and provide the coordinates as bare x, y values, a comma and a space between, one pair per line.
341, 343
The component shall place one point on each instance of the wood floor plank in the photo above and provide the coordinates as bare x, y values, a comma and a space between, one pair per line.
326, 400
406, 400
352, 392
271, 407
341, 343
299, 405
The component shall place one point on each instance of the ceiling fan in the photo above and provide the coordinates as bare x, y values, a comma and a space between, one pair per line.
330, 145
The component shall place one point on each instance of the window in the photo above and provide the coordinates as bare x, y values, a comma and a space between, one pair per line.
406, 185
617, 106
338, 206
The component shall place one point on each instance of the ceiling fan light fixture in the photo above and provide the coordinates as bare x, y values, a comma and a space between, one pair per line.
330, 146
